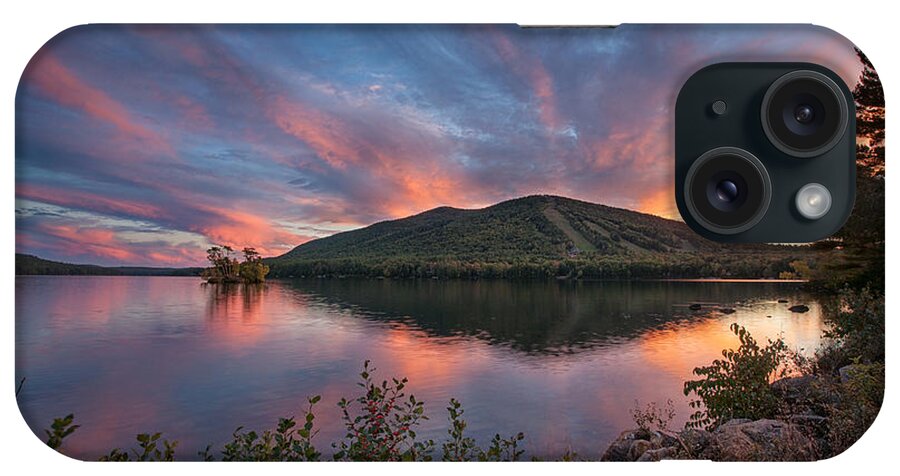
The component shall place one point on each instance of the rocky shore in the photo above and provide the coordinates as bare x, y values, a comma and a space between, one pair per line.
799, 433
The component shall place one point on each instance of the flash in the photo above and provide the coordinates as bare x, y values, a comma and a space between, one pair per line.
813, 201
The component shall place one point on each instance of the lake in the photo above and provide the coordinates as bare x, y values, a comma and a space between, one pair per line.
562, 362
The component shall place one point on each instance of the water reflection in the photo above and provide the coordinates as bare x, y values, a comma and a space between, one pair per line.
562, 362
539, 317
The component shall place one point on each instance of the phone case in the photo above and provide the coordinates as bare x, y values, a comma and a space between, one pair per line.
421, 242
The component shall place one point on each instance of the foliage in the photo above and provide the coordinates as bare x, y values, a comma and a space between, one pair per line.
738, 385
863, 234
869, 97
799, 269
253, 270
59, 430
858, 323
287, 443
226, 268
652, 417
860, 399
463, 448
532, 238
147, 450
763, 263
382, 428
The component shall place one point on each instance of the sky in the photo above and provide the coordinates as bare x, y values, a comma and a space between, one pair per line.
144, 145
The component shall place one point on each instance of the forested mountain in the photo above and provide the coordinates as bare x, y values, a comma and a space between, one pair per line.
531, 237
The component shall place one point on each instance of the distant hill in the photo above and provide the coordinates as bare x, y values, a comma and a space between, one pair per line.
32, 265
531, 237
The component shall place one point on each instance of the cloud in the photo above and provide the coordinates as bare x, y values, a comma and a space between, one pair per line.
272, 136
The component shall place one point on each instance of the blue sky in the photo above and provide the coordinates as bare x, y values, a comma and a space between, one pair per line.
144, 145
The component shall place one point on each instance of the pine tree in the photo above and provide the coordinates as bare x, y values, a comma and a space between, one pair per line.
863, 234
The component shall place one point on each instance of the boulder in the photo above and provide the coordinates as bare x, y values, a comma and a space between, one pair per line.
620, 448
638, 448
695, 441
632, 445
735, 440
760, 440
794, 389
659, 454
846, 372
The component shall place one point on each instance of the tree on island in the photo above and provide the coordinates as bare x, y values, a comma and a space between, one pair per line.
226, 268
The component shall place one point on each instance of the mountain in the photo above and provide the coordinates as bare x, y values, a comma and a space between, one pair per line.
533, 236
538, 236
32, 265
540, 225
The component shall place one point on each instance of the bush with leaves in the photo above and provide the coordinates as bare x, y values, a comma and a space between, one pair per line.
147, 450
464, 448
653, 417
382, 428
738, 385
59, 429
860, 398
287, 442
858, 324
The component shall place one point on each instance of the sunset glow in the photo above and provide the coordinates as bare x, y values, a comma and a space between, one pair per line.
143, 145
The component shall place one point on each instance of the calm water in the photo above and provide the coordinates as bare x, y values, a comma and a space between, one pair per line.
562, 362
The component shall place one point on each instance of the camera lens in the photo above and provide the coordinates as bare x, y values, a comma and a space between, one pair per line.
804, 113
727, 190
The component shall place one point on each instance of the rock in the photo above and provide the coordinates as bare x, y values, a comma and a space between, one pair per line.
695, 307
799, 308
846, 372
631, 445
817, 423
620, 448
638, 448
727, 310
695, 441
794, 389
760, 440
659, 454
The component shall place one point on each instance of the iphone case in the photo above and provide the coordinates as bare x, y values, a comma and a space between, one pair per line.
421, 242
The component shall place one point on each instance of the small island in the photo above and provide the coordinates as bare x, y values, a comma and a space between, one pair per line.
227, 269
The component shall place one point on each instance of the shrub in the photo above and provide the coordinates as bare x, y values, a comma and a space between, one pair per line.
59, 430
738, 385
652, 417
860, 398
463, 448
382, 428
286, 443
148, 450
858, 324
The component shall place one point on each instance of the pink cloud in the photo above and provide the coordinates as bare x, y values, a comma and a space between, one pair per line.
87, 200
65, 87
